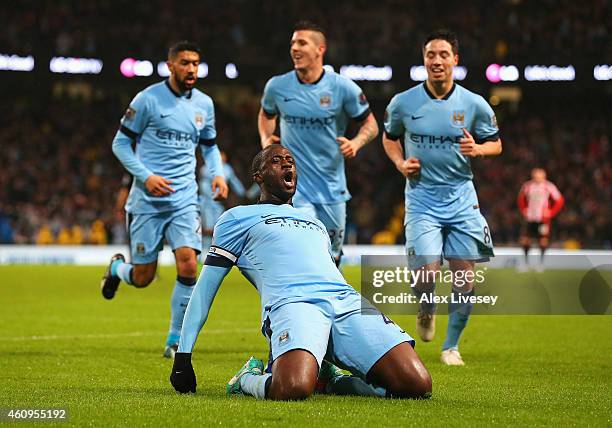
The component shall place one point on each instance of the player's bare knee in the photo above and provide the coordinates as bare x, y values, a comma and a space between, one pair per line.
188, 269
417, 384
186, 262
292, 388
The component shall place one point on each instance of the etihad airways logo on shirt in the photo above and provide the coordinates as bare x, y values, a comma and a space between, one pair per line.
175, 135
435, 140
308, 121
295, 222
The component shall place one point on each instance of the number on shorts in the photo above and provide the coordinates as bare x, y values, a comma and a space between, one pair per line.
487, 235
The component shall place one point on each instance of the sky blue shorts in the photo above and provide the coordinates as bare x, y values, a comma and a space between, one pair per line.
336, 328
451, 230
180, 228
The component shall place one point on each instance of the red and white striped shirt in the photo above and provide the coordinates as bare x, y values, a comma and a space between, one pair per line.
534, 201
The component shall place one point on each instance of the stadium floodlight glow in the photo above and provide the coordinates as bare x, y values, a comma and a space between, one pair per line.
549, 73
502, 73
202, 70
70, 65
602, 72
231, 72
459, 72
131, 67
163, 71
418, 73
367, 72
16, 63
329, 68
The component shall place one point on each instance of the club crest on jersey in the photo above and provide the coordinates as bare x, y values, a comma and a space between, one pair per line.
199, 120
458, 118
325, 100
140, 248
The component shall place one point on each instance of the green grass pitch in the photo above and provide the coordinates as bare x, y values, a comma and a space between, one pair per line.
63, 346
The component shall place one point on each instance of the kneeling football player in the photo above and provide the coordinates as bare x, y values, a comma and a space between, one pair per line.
309, 311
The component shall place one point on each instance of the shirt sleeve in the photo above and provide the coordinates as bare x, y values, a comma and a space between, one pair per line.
268, 102
355, 102
209, 132
227, 242
394, 126
485, 123
136, 117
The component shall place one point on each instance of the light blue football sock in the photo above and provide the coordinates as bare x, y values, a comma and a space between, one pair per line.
459, 313
254, 384
114, 265
123, 270
183, 287
353, 385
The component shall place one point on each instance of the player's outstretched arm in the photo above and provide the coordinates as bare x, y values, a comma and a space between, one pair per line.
368, 130
183, 377
266, 124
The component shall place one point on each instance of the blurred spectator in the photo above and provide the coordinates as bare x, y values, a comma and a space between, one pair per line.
257, 32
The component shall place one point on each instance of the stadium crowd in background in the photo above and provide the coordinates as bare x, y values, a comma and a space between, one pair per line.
512, 30
59, 179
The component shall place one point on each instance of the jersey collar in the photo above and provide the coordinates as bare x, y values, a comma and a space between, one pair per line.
176, 94
433, 97
270, 202
313, 83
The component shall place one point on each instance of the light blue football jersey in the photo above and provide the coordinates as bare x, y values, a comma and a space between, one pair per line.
432, 129
167, 128
283, 252
312, 116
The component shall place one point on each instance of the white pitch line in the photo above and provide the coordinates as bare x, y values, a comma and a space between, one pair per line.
117, 335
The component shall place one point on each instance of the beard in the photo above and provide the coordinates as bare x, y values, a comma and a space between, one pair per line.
184, 86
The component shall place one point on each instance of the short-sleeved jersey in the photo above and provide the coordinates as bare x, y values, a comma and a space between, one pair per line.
312, 116
284, 252
537, 199
432, 129
167, 128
